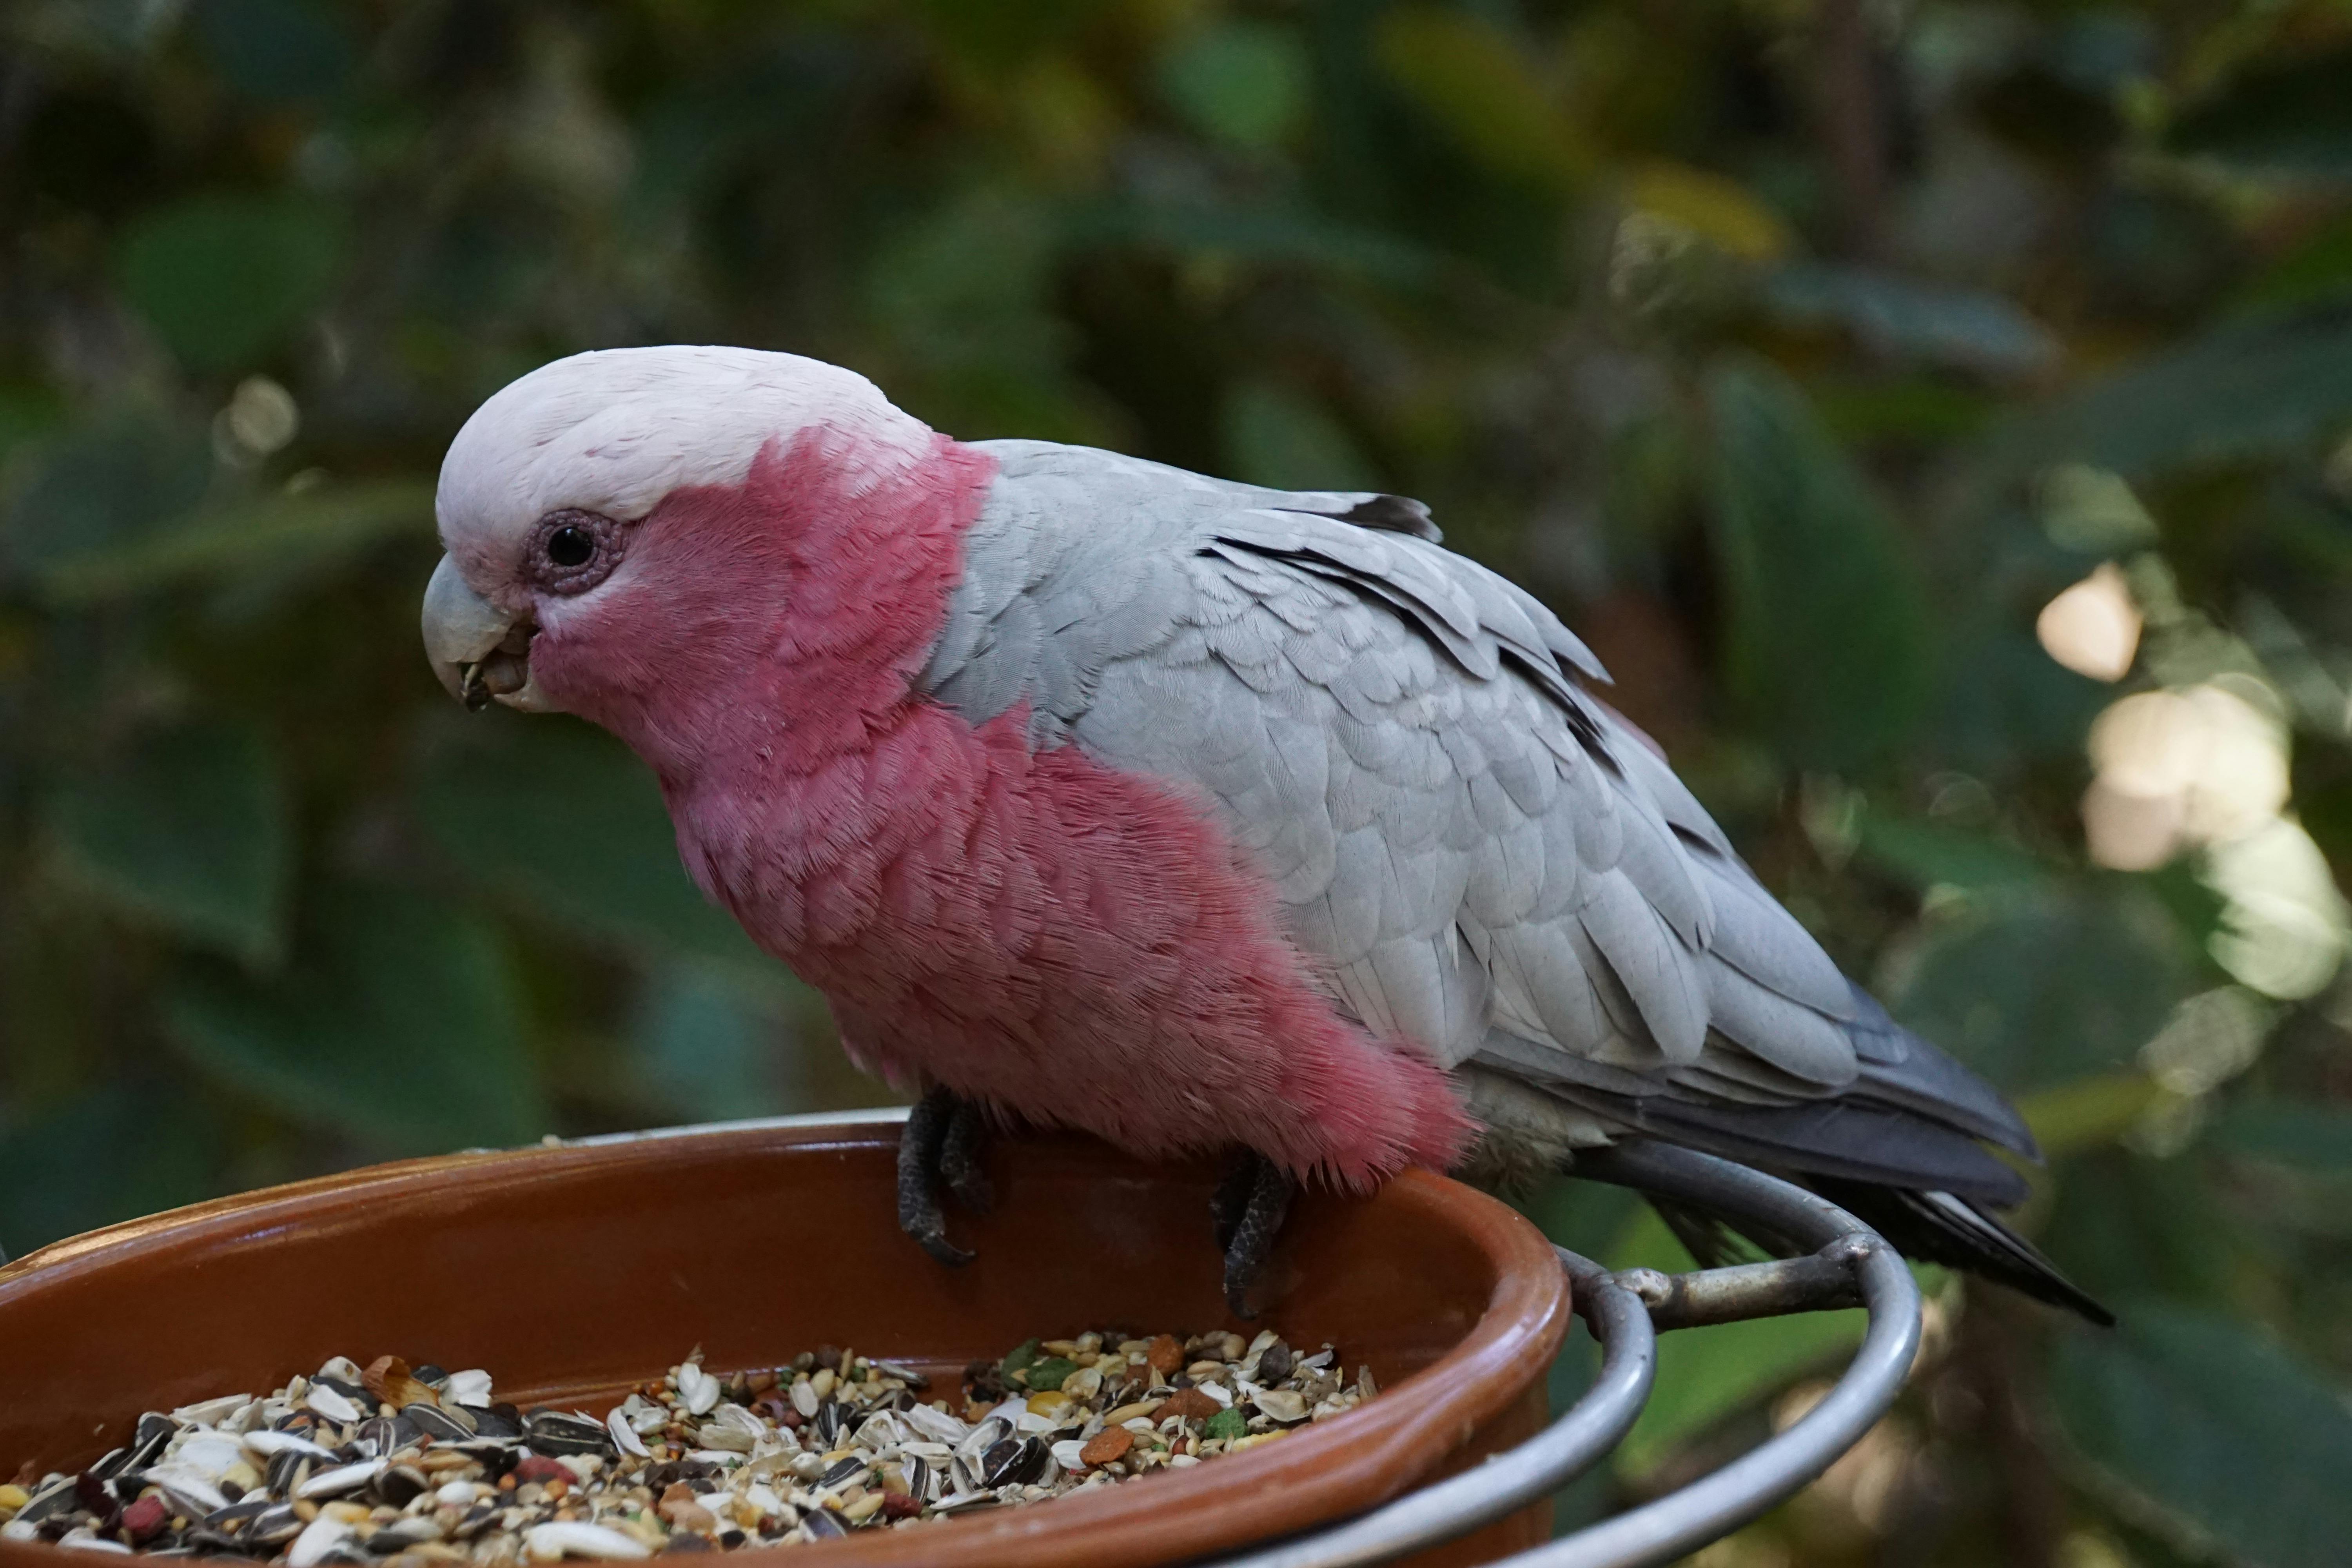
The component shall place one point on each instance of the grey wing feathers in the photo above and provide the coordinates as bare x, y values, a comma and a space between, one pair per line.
1483, 859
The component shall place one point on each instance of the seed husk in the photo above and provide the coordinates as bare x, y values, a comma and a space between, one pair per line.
832, 1443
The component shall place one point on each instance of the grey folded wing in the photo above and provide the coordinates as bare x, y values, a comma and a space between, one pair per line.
1479, 858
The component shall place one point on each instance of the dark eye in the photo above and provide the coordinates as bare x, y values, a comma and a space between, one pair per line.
570, 546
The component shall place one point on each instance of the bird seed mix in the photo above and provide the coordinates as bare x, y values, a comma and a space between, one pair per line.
414, 1465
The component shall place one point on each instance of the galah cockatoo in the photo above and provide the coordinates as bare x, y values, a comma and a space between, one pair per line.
1195, 814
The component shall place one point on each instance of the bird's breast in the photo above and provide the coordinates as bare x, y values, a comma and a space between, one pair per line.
1059, 938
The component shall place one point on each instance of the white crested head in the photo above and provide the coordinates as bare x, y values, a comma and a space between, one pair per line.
616, 430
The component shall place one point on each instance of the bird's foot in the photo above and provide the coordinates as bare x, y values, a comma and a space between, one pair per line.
959, 1158
940, 1144
1249, 1207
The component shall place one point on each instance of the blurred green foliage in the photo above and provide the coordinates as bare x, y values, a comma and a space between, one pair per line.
1831, 367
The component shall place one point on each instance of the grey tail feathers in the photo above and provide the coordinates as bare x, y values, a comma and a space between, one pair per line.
1925, 1226
1940, 1228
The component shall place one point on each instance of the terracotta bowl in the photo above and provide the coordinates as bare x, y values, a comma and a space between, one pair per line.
571, 1272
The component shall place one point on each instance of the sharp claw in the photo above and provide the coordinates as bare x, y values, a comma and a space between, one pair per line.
935, 1242
918, 1161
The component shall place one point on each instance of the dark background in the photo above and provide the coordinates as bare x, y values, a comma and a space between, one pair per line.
1800, 354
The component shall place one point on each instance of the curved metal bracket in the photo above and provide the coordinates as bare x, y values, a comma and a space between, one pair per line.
1850, 1265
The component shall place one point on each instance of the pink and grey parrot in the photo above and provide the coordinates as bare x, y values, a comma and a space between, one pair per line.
1198, 816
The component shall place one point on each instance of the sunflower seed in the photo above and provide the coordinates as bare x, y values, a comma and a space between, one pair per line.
332, 1403
936, 1425
555, 1433
274, 1526
341, 1479
269, 1445
422, 1480
471, 1387
322, 1535
205, 1412
698, 1388
548, 1542
441, 1425
625, 1436
400, 1486
1015, 1461
86, 1541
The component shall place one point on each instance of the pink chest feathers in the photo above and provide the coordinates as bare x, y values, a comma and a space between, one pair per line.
1044, 934
1036, 930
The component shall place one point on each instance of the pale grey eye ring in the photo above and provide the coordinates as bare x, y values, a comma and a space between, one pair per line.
572, 550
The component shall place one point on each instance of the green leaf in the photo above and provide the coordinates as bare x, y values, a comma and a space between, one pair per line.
1481, 86
111, 1154
1193, 225
277, 50
278, 538
2004, 699
1897, 317
27, 413
707, 1047
2087, 1113
1827, 647
2268, 389
1929, 856
1243, 83
2317, 271
105, 486
2295, 115
399, 1023
188, 831
2127, 1226
2312, 1137
224, 278
2038, 992
2213, 1430
559, 821
1276, 436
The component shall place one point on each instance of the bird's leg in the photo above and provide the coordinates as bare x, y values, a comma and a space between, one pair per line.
959, 1158
1249, 1208
923, 1149
1231, 1200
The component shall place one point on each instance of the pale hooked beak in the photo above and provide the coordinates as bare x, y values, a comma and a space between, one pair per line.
479, 656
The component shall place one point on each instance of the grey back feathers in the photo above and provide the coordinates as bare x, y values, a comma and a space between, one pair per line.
1478, 857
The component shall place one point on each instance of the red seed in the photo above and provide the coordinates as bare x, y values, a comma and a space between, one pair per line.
145, 1520
1107, 1447
1189, 1402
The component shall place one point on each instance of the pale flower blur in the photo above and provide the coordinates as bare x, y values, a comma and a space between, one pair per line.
2093, 629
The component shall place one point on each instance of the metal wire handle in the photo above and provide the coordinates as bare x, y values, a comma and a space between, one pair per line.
1853, 1265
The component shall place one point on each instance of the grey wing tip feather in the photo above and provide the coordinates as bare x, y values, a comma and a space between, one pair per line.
1845, 1139
1384, 513
1958, 1232
1905, 1071
1395, 514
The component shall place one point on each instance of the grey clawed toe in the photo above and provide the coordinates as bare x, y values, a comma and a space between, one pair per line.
941, 1146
